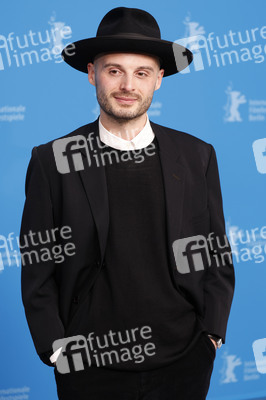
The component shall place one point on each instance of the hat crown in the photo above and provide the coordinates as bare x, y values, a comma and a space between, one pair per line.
128, 21
129, 30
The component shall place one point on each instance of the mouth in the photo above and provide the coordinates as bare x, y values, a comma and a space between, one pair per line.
125, 100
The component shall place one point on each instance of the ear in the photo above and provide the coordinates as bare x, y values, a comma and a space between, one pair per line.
91, 73
159, 79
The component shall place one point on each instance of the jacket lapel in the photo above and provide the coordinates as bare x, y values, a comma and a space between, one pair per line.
94, 182
174, 183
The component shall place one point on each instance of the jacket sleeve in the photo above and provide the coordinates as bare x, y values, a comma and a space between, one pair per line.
39, 288
220, 278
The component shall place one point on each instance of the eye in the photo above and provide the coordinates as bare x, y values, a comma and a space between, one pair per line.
142, 74
114, 71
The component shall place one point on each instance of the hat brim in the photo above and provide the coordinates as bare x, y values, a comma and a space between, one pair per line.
174, 57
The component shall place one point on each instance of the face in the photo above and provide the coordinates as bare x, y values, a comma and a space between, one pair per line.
125, 83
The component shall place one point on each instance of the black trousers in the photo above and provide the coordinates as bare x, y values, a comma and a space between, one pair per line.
185, 379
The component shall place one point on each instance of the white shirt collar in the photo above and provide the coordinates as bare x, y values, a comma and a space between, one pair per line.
143, 138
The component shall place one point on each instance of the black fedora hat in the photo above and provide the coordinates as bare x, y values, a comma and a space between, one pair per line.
128, 30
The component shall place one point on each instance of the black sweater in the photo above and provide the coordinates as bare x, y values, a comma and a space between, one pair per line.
134, 289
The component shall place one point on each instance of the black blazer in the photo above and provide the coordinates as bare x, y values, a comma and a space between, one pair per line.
53, 292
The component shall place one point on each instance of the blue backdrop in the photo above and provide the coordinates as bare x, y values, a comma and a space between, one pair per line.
220, 99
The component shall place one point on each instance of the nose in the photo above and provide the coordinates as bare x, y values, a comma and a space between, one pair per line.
126, 83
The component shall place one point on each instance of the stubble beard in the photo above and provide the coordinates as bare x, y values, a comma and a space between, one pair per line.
122, 113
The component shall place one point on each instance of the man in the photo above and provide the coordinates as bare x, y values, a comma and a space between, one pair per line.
123, 316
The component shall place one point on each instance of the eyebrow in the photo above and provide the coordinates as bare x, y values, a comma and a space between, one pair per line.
120, 66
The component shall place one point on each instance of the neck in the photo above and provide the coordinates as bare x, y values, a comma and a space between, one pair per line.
125, 129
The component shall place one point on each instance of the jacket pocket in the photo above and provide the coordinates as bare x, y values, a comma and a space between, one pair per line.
80, 300
210, 346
